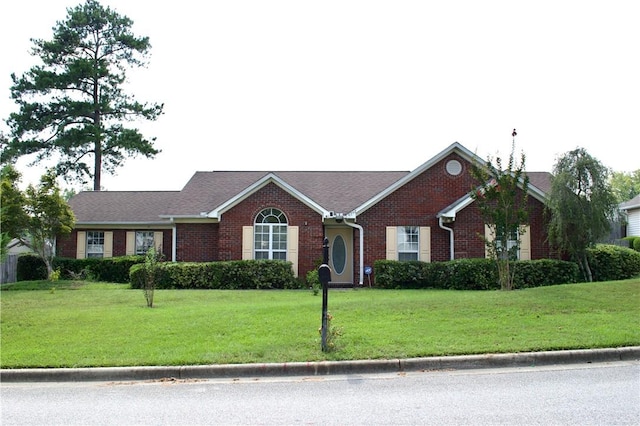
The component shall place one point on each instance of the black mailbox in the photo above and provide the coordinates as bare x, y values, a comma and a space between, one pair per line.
324, 274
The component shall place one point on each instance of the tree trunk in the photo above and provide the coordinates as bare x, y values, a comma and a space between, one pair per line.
586, 268
97, 167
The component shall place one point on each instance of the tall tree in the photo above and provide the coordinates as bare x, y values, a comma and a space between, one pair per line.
73, 105
625, 185
581, 204
502, 200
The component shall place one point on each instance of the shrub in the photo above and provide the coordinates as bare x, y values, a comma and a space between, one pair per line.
109, 269
232, 275
313, 281
543, 272
611, 262
30, 268
471, 274
636, 243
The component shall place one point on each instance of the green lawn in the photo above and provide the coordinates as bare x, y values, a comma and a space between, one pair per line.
93, 324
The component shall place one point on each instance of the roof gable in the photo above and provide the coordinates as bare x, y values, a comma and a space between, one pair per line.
453, 148
261, 183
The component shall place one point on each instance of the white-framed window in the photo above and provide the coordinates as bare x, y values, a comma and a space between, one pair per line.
270, 235
514, 252
95, 244
144, 241
511, 239
408, 243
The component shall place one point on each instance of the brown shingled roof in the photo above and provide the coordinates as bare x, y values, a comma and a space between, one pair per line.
541, 180
337, 191
121, 206
341, 192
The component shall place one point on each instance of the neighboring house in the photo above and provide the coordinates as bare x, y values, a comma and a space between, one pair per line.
9, 265
632, 210
426, 214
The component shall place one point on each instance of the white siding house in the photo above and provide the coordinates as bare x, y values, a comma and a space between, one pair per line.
632, 209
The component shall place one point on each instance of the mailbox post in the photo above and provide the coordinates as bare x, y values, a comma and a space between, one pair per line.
324, 274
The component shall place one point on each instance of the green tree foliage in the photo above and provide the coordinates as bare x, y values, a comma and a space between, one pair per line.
13, 218
581, 204
35, 216
625, 185
72, 106
502, 200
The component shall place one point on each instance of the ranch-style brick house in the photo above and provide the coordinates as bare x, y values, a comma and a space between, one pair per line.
426, 214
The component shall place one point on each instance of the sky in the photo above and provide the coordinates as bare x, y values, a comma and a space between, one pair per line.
363, 85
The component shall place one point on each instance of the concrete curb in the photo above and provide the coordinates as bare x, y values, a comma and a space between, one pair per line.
320, 368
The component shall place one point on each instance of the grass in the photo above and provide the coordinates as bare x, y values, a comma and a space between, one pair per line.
78, 324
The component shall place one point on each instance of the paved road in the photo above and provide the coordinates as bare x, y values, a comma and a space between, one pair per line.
584, 394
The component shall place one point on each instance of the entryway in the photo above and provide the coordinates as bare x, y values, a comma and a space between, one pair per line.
340, 255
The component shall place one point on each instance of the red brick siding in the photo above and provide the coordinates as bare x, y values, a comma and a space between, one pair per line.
66, 245
308, 221
197, 242
417, 204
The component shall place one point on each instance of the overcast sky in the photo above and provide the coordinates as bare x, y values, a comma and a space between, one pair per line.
364, 85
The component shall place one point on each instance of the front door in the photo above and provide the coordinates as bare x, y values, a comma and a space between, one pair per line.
340, 254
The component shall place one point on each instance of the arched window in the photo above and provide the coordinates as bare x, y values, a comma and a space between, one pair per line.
270, 235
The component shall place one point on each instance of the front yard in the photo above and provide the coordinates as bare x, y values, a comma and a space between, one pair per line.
95, 324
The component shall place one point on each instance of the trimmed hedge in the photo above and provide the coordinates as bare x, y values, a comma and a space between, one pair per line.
610, 262
471, 274
228, 275
111, 269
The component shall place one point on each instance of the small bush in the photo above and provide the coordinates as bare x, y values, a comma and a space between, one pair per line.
30, 268
313, 281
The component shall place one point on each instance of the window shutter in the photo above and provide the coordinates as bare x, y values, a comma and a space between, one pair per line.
247, 242
130, 248
425, 244
108, 244
157, 241
392, 243
490, 235
292, 248
525, 244
81, 245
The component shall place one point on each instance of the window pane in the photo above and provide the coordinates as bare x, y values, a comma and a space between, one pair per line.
279, 256
403, 257
95, 244
408, 242
339, 254
270, 235
144, 241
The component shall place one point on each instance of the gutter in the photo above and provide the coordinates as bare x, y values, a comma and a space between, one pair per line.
359, 228
451, 240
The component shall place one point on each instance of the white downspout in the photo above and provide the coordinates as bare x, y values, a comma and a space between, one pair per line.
451, 249
174, 240
359, 227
